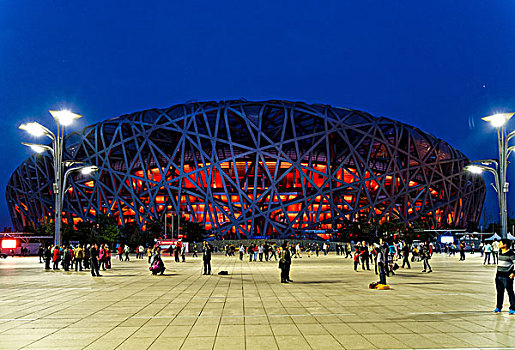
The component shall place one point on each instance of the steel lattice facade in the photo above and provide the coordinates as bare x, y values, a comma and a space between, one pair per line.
253, 168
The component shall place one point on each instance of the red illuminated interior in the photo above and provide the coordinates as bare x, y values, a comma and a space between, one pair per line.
254, 182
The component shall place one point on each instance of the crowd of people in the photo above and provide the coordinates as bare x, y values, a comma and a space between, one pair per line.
384, 256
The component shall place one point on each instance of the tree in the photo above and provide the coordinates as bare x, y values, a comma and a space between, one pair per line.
106, 230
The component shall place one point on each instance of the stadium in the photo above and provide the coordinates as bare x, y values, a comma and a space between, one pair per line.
247, 169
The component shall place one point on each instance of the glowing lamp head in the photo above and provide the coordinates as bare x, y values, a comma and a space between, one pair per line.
35, 129
64, 117
88, 170
474, 169
37, 148
498, 120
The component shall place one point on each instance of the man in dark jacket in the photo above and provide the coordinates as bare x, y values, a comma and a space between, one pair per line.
93, 256
48, 257
382, 260
285, 263
206, 257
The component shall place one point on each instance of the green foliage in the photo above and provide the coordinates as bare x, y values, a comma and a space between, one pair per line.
106, 229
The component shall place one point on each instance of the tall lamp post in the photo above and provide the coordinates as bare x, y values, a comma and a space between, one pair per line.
499, 167
62, 118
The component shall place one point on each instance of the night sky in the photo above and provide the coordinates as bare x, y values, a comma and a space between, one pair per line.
437, 65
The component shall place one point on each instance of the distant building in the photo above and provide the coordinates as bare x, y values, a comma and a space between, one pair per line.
247, 169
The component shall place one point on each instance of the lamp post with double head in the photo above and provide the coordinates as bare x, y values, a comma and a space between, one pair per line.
499, 167
62, 119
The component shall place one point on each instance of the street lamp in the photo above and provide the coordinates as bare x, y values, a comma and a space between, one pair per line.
502, 187
62, 118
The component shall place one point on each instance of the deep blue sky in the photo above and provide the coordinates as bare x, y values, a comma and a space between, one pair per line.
437, 65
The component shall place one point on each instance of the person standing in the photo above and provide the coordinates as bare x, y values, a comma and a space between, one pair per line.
101, 257
56, 257
120, 252
86, 257
176, 253
487, 249
206, 257
382, 260
48, 257
149, 254
285, 263
261, 252
356, 261
183, 253
79, 255
41, 250
425, 255
505, 275
242, 251
495, 251
93, 256
365, 256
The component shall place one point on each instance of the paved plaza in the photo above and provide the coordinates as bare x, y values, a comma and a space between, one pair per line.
328, 306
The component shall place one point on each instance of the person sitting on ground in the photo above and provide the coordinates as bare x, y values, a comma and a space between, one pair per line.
157, 266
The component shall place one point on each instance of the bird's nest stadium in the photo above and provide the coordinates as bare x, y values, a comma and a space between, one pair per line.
244, 169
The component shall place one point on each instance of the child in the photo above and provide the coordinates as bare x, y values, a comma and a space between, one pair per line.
356, 261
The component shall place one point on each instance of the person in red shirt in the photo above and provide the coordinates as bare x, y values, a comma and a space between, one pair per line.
56, 257
356, 261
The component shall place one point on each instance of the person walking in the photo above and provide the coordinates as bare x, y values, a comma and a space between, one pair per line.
462, 251
273, 252
487, 249
348, 250
495, 251
206, 257
285, 263
405, 255
425, 255
183, 253
505, 275
93, 256
127, 250
297, 251
194, 251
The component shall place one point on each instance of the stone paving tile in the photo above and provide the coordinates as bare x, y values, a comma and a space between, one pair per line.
328, 306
